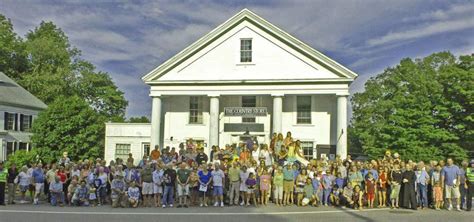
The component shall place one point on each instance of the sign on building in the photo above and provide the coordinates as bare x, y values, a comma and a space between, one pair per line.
245, 111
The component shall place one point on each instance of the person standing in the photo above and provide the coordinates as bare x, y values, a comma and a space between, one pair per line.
469, 185
422, 179
450, 178
288, 183
234, 178
155, 154
38, 180
395, 183
218, 178
3, 180
12, 174
147, 185
169, 180
408, 188
183, 185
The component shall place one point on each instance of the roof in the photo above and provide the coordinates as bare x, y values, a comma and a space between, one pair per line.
247, 15
12, 94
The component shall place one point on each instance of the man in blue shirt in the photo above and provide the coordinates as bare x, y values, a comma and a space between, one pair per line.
38, 179
288, 183
450, 179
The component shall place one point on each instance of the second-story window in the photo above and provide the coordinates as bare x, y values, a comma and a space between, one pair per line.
246, 50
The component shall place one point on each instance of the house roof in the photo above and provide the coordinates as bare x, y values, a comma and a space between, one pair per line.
12, 94
247, 15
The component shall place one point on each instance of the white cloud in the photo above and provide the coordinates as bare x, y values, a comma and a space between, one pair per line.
416, 33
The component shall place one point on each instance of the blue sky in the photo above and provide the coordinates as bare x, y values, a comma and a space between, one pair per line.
130, 38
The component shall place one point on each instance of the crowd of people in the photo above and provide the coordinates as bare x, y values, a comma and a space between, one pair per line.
243, 174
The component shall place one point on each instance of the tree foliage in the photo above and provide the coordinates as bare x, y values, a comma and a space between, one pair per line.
45, 63
422, 109
69, 124
141, 119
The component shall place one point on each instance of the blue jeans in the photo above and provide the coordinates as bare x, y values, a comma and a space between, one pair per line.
463, 192
326, 193
422, 194
168, 193
55, 196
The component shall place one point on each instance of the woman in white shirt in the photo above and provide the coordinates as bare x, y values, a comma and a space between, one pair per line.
24, 181
265, 156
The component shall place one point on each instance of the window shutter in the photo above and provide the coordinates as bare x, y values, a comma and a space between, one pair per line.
31, 121
5, 121
16, 122
21, 122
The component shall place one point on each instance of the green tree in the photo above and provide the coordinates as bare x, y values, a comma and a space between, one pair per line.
69, 124
12, 54
141, 119
421, 109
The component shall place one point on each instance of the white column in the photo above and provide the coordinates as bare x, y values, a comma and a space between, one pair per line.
277, 113
214, 121
341, 147
155, 121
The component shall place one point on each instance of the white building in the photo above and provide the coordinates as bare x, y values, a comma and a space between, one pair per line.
203, 91
18, 109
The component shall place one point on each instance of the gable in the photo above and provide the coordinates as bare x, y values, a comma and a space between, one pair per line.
276, 55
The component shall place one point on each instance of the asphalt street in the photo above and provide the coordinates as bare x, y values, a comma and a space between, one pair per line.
46, 213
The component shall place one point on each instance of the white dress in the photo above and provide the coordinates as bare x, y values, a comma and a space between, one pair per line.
243, 177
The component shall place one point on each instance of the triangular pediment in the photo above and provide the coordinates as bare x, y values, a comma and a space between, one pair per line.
276, 55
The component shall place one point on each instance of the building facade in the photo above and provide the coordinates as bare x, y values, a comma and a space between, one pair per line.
249, 78
18, 109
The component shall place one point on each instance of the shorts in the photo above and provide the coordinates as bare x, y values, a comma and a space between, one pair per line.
24, 188
39, 187
452, 192
218, 191
250, 191
183, 190
147, 188
370, 196
382, 189
31, 187
299, 189
157, 189
288, 186
438, 193
243, 187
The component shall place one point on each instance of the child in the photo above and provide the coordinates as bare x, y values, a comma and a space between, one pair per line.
357, 198
334, 196
251, 183
133, 194
264, 186
437, 189
157, 185
370, 189
92, 195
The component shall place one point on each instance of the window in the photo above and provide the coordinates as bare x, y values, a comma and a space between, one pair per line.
10, 121
22, 146
195, 110
249, 101
25, 122
303, 109
10, 148
308, 149
122, 151
246, 50
146, 148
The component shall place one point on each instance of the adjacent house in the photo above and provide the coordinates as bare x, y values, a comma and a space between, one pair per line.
18, 110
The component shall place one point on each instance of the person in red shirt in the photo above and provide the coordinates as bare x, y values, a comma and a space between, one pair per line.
382, 186
370, 189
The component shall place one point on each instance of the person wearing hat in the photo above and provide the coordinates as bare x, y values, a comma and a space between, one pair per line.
469, 185
3, 180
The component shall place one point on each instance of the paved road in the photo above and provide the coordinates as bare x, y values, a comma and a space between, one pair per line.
22, 213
